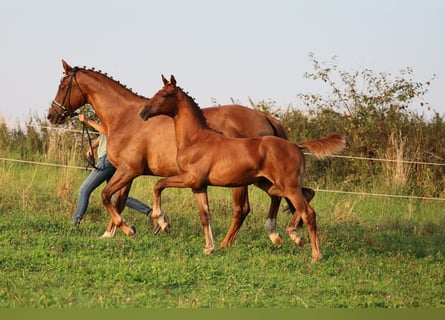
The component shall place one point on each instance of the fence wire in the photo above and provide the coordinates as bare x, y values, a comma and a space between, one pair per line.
370, 194
382, 195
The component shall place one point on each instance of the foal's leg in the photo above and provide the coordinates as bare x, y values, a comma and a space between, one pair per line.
204, 215
184, 181
309, 219
240, 211
271, 222
308, 194
270, 225
157, 215
275, 200
177, 181
303, 210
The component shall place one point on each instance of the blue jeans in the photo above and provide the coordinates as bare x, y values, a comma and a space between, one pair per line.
104, 172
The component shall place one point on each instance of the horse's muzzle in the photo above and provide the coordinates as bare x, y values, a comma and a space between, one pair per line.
55, 117
145, 112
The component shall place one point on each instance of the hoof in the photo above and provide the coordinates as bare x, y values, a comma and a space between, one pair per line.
224, 245
130, 231
156, 228
275, 238
166, 228
299, 242
316, 258
296, 239
208, 250
107, 234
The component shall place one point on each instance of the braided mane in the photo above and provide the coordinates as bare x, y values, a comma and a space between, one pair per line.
92, 69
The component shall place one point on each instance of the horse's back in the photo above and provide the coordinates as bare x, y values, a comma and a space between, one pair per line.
237, 121
154, 143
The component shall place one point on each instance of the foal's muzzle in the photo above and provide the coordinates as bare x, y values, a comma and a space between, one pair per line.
145, 112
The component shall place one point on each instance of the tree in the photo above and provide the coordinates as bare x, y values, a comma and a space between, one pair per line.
374, 112
372, 105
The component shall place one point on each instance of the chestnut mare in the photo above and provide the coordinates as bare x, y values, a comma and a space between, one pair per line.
206, 157
139, 148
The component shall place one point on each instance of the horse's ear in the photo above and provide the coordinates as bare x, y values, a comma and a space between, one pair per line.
173, 80
165, 81
66, 67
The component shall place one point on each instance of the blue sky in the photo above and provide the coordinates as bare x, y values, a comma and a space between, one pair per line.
217, 50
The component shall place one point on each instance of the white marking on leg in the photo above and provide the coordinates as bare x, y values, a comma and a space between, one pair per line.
270, 226
275, 238
210, 246
109, 234
161, 221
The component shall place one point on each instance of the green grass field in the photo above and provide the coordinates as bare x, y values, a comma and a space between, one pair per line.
378, 252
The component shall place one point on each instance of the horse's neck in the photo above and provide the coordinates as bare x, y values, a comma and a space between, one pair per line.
189, 121
111, 103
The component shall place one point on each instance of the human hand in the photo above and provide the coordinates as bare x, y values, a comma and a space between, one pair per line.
82, 117
89, 153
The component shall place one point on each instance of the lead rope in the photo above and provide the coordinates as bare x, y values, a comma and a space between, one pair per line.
90, 159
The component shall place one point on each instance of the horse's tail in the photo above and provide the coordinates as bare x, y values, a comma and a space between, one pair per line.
326, 146
277, 127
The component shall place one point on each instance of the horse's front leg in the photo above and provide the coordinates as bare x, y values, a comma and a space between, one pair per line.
204, 214
120, 198
119, 180
157, 215
184, 181
177, 181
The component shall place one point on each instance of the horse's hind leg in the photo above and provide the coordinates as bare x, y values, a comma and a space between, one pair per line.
240, 211
309, 219
271, 222
304, 211
270, 225
308, 194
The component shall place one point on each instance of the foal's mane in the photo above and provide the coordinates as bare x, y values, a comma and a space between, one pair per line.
106, 76
196, 109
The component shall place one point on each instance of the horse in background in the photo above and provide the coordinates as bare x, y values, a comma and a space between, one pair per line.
208, 158
137, 148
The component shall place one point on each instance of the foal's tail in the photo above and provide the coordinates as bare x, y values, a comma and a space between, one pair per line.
326, 146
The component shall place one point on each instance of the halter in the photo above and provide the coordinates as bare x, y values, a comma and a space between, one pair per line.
67, 113
66, 110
